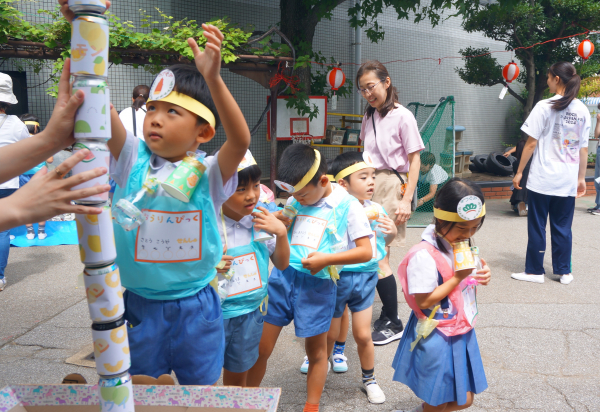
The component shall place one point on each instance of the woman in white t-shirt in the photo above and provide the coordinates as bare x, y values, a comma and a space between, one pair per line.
558, 130
133, 117
431, 178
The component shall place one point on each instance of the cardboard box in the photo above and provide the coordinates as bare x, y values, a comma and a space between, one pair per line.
85, 398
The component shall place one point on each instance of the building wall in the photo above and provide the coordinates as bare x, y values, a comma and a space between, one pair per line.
487, 119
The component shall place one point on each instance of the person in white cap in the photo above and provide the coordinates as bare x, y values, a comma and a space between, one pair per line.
12, 129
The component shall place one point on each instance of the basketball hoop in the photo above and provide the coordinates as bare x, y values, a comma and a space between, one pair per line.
303, 138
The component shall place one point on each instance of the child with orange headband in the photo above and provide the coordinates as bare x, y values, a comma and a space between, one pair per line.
323, 221
438, 356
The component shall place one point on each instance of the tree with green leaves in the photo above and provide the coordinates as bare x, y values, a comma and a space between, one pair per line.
527, 23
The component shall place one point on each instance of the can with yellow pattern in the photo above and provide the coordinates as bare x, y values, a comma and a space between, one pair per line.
463, 257
89, 45
87, 6
96, 238
104, 293
111, 348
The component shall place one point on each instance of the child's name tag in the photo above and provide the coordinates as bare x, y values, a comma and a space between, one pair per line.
245, 275
308, 231
169, 237
469, 294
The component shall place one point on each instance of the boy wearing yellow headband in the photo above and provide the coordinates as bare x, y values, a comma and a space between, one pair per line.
325, 219
243, 281
168, 262
438, 356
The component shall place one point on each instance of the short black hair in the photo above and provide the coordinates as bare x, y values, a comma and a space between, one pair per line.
28, 117
4, 105
447, 199
189, 81
250, 174
343, 161
428, 158
296, 161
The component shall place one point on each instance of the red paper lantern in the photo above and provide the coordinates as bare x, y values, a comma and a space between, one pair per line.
510, 72
585, 49
336, 78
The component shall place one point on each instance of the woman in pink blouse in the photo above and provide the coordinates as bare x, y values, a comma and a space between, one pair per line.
391, 136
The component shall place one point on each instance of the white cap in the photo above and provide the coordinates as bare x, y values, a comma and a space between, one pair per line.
6, 89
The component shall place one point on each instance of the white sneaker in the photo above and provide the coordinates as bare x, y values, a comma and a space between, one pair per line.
528, 278
339, 363
374, 392
304, 367
42, 235
30, 236
2, 284
564, 279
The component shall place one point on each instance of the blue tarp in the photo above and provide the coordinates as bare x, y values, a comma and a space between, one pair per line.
59, 233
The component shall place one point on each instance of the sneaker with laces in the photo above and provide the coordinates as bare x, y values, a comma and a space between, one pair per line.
566, 279
387, 332
30, 233
339, 361
592, 209
595, 212
374, 392
528, 278
304, 367
522, 207
42, 233
2, 284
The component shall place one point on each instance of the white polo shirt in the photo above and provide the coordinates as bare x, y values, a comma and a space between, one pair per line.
12, 131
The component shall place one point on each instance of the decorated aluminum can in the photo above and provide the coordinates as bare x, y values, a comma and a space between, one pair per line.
96, 238
99, 157
87, 6
184, 179
104, 293
261, 235
117, 391
111, 348
89, 45
92, 120
463, 257
289, 211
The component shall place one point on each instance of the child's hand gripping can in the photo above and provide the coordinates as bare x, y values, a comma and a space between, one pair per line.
116, 391
290, 212
99, 156
182, 183
111, 348
87, 6
104, 294
89, 45
92, 120
96, 238
463, 257
259, 234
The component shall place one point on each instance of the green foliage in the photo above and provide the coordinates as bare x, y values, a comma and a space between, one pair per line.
591, 157
523, 25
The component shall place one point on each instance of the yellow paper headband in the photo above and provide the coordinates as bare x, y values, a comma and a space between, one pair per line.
31, 123
454, 217
307, 177
331, 178
366, 163
190, 104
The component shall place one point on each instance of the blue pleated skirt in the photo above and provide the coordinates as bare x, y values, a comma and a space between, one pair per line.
440, 369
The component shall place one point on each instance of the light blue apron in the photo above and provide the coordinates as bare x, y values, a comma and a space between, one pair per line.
373, 264
325, 216
164, 280
246, 301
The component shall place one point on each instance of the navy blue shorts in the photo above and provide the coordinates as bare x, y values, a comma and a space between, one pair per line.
183, 335
242, 336
303, 298
355, 289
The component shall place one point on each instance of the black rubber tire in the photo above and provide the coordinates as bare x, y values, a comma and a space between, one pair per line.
472, 168
499, 165
479, 163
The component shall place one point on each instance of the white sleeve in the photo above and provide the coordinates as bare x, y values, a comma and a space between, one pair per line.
437, 175
127, 119
120, 169
422, 273
585, 139
536, 122
358, 224
24, 132
219, 191
271, 243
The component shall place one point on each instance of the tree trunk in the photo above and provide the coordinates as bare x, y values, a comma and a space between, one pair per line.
298, 23
530, 84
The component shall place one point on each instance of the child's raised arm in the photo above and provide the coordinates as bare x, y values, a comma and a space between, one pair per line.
208, 63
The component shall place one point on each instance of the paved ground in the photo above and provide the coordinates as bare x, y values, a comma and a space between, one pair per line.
540, 343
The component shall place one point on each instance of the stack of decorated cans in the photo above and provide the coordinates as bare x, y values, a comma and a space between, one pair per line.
89, 66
